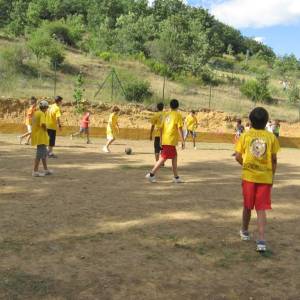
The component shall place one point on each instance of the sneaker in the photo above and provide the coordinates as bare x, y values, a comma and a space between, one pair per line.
261, 246
195, 148
152, 179
71, 136
245, 236
37, 174
88, 142
52, 155
105, 149
177, 180
48, 172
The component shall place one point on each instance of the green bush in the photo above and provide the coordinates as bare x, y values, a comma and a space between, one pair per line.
106, 56
12, 58
62, 32
137, 91
222, 63
159, 68
256, 91
294, 94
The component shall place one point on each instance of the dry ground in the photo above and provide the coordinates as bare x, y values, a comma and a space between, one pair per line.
98, 230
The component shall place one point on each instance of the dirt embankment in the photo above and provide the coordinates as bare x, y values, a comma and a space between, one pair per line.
133, 116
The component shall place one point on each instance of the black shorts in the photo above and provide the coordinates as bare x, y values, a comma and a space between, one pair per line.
157, 147
52, 137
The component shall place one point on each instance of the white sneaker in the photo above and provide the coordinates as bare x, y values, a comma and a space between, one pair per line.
71, 136
177, 180
152, 179
105, 149
245, 236
261, 246
195, 148
37, 174
48, 172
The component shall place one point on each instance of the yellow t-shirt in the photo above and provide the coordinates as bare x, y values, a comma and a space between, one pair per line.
156, 121
191, 123
29, 114
53, 113
257, 147
39, 135
112, 128
171, 122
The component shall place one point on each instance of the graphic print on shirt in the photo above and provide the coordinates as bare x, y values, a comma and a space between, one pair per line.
258, 148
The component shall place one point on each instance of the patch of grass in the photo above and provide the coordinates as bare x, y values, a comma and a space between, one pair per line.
228, 259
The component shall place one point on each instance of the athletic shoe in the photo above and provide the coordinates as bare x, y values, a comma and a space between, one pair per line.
152, 179
245, 236
261, 246
195, 148
52, 155
71, 136
37, 174
27, 144
88, 142
177, 180
105, 149
48, 172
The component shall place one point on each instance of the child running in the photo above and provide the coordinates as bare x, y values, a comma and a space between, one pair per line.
256, 152
191, 124
112, 128
28, 121
171, 130
53, 122
156, 120
84, 127
40, 139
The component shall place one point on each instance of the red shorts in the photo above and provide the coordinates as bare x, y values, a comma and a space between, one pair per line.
168, 152
257, 195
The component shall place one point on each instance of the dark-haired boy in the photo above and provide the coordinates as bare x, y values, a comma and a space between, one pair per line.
171, 130
156, 121
53, 122
256, 151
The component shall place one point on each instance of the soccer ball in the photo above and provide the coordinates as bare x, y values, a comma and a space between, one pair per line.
128, 151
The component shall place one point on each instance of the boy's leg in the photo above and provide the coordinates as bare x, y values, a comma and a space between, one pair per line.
174, 167
261, 224
194, 140
28, 138
109, 142
158, 164
246, 219
36, 165
87, 131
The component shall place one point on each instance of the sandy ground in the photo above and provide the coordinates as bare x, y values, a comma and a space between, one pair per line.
98, 230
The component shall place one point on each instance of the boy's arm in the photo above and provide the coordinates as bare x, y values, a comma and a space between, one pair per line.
239, 158
181, 137
151, 132
274, 163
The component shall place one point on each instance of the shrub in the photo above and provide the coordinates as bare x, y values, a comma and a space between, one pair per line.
106, 56
137, 91
256, 91
159, 68
222, 63
294, 94
12, 58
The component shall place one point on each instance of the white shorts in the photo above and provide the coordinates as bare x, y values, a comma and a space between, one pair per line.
110, 137
29, 128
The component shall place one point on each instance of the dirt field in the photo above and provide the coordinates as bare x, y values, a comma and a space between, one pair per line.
98, 230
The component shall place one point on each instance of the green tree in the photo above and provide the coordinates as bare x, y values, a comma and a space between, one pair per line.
18, 17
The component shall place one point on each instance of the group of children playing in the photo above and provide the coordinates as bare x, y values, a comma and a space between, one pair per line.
256, 150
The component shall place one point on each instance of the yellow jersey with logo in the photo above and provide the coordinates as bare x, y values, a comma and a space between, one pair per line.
191, 122
156, 121
53, 113
171, 122
39, 135
112, 128
257, 147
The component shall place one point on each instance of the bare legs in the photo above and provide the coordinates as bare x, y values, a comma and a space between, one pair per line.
161, 161
261, 222
37, 163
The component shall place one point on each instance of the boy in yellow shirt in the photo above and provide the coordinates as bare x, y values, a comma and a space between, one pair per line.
40, 139
256, 151
171, 130
28, 121
112, 128
156, 120
53, 122
191, 124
